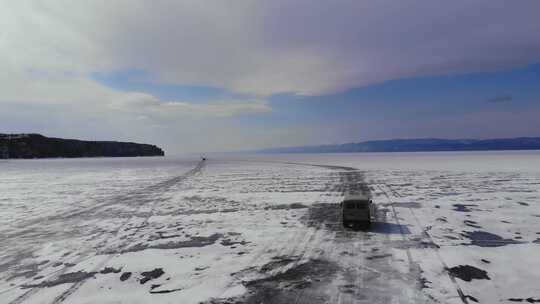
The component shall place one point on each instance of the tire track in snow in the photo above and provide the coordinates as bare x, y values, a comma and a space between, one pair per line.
158, 187
106, 202
459, 291
337, 239
153, 189
351, 179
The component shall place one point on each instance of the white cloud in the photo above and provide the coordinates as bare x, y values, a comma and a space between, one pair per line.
152, 106
265, 47
48, 49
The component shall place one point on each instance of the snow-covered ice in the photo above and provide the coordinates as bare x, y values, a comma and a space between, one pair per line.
451, 228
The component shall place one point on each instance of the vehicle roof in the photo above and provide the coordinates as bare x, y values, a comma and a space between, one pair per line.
357, 197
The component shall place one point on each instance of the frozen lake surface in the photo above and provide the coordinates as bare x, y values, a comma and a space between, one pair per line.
451, 228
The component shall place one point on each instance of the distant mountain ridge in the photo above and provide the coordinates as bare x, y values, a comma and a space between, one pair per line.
39, 146
418, 145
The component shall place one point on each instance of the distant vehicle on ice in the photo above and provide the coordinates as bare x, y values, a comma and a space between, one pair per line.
357, 210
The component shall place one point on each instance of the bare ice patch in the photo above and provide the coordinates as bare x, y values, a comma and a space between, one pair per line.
486, 239
71, 277
468, 273
196, 241
464, 207
284, 279
150, 275
286, 206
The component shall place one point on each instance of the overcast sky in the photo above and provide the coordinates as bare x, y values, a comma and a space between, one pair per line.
231, 75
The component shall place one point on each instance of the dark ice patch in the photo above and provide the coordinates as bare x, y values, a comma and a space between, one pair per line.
472, 224
406, 244
468, 273
207, 211
347, 288
108, 270
284, 286
150, 275
164, 290
424, 283
196, 241
160, 235
286, 206
528, 300
413, 205
486, 239
125, 276
380, 256
228, 242
464, 207
71, 277
451, 237
278, 262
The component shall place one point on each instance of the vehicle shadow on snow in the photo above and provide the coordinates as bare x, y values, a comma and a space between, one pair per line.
328, 216
389, 228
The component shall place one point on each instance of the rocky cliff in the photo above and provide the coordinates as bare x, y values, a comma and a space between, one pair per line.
39, 146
